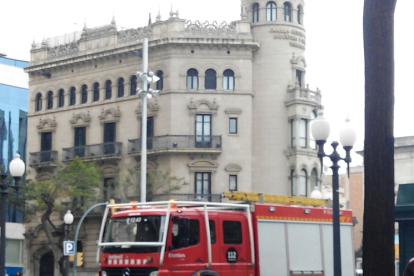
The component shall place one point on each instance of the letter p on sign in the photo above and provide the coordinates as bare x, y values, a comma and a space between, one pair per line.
68, 248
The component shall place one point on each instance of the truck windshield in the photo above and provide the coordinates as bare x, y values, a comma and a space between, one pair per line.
134, 229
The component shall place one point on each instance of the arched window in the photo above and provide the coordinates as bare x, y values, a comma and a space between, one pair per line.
133, 81
210, 80
271, 11
312, 139
302, 183
300, 14
61, 97
313, 179
84, 97
192, 79
120, 87
287, 12
72, 96
108, 90
49, 100
303, 133
160, 83
38, 102
228, 80
292, 183
96, 91
255, 13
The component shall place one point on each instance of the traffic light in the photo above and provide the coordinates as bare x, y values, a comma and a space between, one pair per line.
79, 258
71, 258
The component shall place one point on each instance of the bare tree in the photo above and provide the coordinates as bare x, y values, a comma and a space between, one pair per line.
378, 234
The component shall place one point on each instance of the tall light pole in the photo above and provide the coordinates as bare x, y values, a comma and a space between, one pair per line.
144, 93
16, 169
347, 137
68, 219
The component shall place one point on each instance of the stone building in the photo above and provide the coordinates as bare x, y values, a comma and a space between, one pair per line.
233, 112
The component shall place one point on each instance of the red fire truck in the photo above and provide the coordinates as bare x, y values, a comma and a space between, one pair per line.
223, 239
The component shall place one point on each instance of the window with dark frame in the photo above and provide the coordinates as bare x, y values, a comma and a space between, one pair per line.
49, 100
38, 104
202, 185
120, 87
133, 85
313, 179
84, 97
80, 141
203, 131
299, 78
210, 81
292, 133
96, 92
212, 225
72, 96
233, 183
108, 90
302, 183
192, 79
287, 12
160, 82
232, 232
303, 133
271, 11
61, 93
233, 125
255, 13
292, 183
228, 80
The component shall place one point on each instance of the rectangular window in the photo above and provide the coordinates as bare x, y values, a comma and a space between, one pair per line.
185, 232
80, 141
109, 138
46, 147
233, 125
232, 232
202, 185
303, 132
299, 75
233, 183
203, 131
292, 133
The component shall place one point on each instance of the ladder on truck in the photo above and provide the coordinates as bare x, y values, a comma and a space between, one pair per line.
277, 199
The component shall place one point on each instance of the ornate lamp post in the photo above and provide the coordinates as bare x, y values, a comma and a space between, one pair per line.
68, 219
347, 137
144, 93
16, 169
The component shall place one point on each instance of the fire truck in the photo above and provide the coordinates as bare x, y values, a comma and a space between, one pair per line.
259, 235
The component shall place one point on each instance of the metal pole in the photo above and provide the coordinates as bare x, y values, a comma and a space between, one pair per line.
77, 233
67, 257
4, 187
144, 124
336, 223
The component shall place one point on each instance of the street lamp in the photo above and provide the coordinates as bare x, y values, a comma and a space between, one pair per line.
68, 219
16, 169
144, 93
347, 137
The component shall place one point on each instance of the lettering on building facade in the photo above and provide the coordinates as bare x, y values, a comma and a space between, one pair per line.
297, 39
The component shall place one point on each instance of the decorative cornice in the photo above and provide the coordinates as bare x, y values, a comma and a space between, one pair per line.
234, 111
194, 106
86, 118
47, 124
210, 28
63, 50
116, 114
134, 34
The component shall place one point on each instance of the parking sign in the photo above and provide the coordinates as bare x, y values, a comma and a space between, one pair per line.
68, 248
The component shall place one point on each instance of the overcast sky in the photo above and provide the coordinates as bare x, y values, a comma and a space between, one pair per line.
334, 51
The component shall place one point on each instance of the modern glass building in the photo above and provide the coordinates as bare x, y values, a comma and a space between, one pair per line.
13, 138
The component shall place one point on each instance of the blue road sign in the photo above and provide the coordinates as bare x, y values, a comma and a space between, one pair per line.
68, 248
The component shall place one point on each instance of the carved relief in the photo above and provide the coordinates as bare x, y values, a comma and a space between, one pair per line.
233, 168
134, 34
214, 28
206, 165
80, 118
47, 124
110, 114
197, 106
152, 109
63, 50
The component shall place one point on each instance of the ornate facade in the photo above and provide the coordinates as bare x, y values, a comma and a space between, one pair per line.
233, 112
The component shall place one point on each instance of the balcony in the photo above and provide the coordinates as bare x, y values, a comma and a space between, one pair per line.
104, 151
299, 94
42, 159
177, 144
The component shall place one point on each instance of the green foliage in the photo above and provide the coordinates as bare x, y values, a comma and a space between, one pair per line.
76, 183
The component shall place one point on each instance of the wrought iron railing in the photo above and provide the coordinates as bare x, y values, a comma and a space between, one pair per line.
42, 157
177, 142
93, 151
